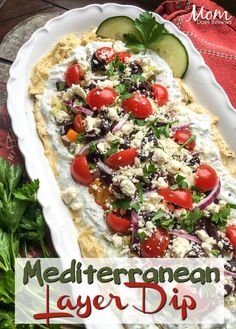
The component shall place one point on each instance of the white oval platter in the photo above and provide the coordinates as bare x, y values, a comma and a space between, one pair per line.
198, 77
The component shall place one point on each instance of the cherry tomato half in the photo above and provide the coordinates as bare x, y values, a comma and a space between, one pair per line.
205, 178
181, 136
98, 97
118, 224
73, 75
122, 55
161, 94
155, 245
231, 234
139, 105
80, 170
78, 124
121, 159
181, 198
105, 53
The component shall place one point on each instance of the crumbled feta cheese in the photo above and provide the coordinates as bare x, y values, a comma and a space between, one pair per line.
62, 116
127, 128
79, 91
103, 147
174, 167
187, 173
76, 205
159, 156
159, 183
91, 123
208, 244
117, 240
180, 247
202, 234
69, 194
136, 142
127, 187
111, 138
169, 146
112, 114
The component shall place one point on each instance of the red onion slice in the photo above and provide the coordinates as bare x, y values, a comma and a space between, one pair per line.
228, 273
183, 126
134, 225
210, 198
104, 167
82, 109
121, 123
68, 102
185, 235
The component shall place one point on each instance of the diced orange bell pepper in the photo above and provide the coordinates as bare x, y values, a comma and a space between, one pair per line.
71, 135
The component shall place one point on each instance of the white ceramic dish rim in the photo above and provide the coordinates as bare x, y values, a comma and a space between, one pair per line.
199, 78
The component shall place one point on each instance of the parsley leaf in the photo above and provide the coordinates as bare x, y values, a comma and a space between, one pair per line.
141, 236
190, 219
122, 90
80, 138
150, 32
92, 147
138, 77
159, 220
180, 180
115, 66
149, 169
121, 204
28, 191
136, 206
113, 149
220, 218
163, 130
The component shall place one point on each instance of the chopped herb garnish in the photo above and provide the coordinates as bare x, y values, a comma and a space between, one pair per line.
113, 149
136, 206
92, 147
121, 204
92, 165
190, 219
122, 90
159, 214
80, 138
60, 85
141, 236
180, 180
115, 66
197, 196
138, 77
166, 224
140, 122
150, 31
215, 252
159, 220
220, 218
149, 169
188, 141
158, 131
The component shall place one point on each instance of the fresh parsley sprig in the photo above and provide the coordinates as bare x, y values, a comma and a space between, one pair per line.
149, 32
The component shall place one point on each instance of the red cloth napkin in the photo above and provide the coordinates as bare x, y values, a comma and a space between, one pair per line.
215, 39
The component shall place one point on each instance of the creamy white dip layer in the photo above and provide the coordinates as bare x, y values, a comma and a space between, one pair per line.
77, 196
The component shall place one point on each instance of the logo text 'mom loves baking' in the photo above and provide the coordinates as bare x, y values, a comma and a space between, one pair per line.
209, 17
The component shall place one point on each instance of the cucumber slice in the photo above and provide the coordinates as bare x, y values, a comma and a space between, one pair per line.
171, 49
115, 27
